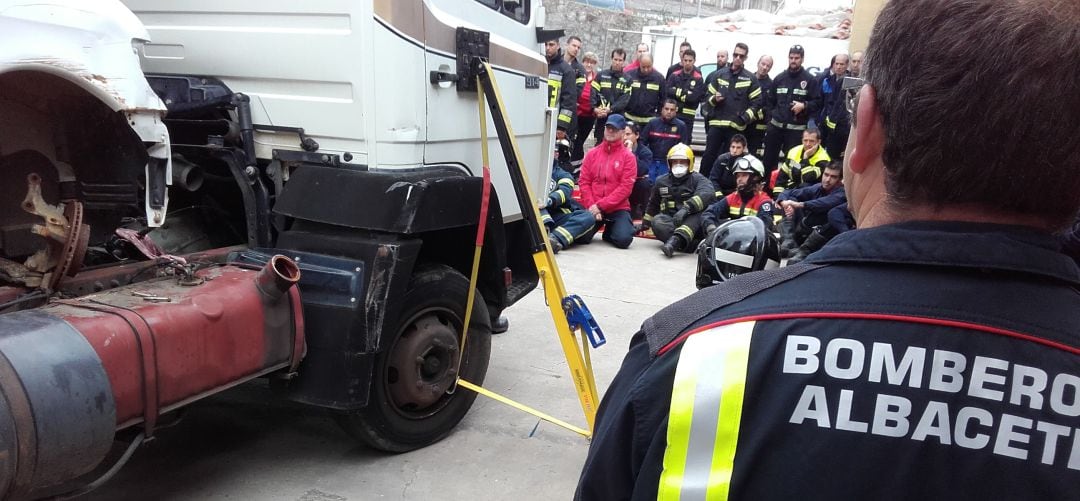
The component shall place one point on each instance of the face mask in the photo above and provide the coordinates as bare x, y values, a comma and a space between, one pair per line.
679, 170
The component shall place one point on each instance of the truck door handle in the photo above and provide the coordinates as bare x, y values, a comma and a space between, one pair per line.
438, 77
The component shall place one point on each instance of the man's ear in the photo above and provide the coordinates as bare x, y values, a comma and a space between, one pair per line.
869, 139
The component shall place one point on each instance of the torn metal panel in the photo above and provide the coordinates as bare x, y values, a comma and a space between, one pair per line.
95, 46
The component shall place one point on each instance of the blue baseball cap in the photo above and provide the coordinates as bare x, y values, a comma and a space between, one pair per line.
616, 121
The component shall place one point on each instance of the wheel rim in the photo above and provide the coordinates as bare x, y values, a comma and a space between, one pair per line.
422, 364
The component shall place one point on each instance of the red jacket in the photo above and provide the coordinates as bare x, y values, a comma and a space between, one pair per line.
607, 177
584, 105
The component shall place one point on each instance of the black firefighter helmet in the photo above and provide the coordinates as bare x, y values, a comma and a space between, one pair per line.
736, 247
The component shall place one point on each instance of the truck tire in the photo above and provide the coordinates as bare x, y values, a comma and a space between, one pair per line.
409, 406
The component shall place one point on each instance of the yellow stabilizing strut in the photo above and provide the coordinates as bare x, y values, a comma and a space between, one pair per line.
577, 355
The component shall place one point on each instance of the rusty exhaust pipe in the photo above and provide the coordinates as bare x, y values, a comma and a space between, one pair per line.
279, 274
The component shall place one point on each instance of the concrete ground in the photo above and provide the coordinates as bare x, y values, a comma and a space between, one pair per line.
243, 444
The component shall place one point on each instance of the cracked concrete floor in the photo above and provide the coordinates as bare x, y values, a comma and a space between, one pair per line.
244, 445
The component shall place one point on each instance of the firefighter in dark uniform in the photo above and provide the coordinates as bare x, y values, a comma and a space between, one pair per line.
687, 88
646, 92
562, 85
736, 99
755, 137
803, 164
749, 198
565, 218
791, 101
674, 211
722, 176
835, 119
610, 93
806, 227
931, 354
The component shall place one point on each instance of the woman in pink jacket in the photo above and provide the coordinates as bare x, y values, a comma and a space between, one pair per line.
607, 178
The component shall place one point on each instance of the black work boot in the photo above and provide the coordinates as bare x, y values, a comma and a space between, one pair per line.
787, 237
555, 244
673, 244
813, 242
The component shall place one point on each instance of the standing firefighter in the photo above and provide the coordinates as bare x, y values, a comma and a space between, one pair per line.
562, 83
610, 93
677, 200
931, 354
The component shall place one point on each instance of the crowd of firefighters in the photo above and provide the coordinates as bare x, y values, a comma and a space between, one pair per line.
773, 148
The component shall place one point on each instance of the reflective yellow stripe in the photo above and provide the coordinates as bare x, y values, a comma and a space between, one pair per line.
596, 85
605, 85
810, 174
696, 202
647, 217
829, 123
688, 111
637, 118
652, 86
726, 123
742, 84
799, 92
565, 234
705, 415
567, 181
635, 85
782, 90
686, 232
561, 196
755, 93
741, 211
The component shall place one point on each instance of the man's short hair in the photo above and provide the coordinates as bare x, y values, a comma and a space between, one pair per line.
743, 46
572, 38
691, 53
838, 166
739, 138
620, 52
685, 43
814, 131
672, 101
952, 138
633, 128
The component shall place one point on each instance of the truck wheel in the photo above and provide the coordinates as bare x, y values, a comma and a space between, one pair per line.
409, 406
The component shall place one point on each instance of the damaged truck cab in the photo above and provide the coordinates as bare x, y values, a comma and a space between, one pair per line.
193, 198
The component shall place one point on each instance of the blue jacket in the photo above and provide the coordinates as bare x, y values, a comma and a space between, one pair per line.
816, 200
918, 363
644, 159
660, 136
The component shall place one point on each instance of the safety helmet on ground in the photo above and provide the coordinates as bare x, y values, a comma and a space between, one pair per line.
680, 152
736, 247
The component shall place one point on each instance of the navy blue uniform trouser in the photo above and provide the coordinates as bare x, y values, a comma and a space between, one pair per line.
569, 228
778, 142
618, 229
639, 197
689, 121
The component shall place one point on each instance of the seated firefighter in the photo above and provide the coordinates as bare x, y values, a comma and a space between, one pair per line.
674, 211
566, 219
748, 199
805, 227
803, 164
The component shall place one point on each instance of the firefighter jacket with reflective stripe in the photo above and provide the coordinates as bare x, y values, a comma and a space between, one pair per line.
721, 176
560, 191
815, 199
789, 88
736, 205
763, 115
610, 90
742, 98
660, 136
563, 90
579, 75
646, 94
797, 171
834, 111
687, 89
692, 192
607, 177
676, 67
921, 361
